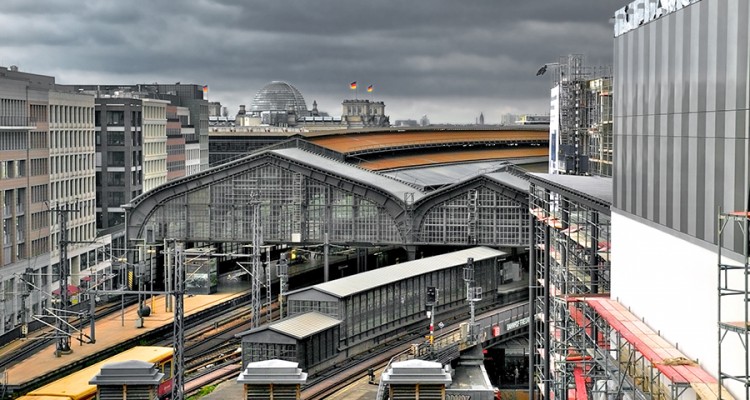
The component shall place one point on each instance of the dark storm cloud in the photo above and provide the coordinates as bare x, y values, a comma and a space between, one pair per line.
452, 59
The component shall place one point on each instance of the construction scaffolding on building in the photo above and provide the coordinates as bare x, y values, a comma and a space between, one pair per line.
734, 285
599, 114
585, 345
584, 117
569, 259
622, 357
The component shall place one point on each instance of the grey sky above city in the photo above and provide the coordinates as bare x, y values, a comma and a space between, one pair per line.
449, 60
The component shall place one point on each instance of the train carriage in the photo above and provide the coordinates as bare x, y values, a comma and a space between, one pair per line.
76, 386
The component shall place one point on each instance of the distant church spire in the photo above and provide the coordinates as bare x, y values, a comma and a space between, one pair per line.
481, 118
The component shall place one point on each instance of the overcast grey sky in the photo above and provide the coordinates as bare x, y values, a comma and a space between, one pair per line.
448, 59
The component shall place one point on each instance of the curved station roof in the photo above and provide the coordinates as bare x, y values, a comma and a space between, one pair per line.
373, 142
297, 177
509, 154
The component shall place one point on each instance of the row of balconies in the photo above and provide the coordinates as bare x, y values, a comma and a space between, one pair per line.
11, 121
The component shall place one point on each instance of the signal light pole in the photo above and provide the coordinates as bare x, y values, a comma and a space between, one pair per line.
431, 302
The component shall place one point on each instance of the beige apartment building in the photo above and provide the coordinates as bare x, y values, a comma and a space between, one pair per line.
154, 143
47, 159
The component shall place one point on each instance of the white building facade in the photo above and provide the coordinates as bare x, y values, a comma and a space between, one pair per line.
154, 143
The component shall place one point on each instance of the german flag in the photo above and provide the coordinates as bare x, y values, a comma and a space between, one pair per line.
353, 85
205, 88
369, 89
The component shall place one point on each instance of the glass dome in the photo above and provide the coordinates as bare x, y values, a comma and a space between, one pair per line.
279, 96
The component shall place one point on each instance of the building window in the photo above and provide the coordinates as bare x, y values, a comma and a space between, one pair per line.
115, 117
115, 178
116, 158
116, 219
116, 138
115, 199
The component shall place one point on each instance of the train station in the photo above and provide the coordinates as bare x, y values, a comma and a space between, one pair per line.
602, 256
317, 206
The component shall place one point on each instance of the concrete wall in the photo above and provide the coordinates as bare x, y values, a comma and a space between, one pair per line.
672, 284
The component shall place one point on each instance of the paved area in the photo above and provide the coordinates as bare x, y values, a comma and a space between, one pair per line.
358, 390
226, 390
110, 331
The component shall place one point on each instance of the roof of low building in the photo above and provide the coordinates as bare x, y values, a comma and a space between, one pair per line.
596, 187
371, 279
303, 325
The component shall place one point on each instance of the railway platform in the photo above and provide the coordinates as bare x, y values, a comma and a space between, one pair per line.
114, 331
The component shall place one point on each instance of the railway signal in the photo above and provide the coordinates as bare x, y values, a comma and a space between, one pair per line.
430, 306
431, 295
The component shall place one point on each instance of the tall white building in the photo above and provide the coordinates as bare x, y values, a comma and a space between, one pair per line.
154, 143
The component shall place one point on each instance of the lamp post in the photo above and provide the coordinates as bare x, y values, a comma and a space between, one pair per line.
543, 70
152, 255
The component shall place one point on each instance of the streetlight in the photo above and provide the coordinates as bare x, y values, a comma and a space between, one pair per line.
152, 255
544, 68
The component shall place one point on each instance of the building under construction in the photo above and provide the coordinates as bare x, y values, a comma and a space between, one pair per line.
580, 117
666, 316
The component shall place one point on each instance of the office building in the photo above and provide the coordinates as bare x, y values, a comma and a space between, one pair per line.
175, 144
580, 117
189, 96
47, 164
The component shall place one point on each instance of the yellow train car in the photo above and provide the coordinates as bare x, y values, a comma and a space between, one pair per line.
76, 385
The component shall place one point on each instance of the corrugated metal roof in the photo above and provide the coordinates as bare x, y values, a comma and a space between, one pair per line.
371, 279
510, 180
304, 325
385, 183
449, 174
593, 186
445, 174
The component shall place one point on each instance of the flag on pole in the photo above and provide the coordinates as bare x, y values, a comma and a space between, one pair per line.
369, 89
205, 88
353, 85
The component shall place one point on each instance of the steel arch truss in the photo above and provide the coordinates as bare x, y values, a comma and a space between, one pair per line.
475, 212
300, 204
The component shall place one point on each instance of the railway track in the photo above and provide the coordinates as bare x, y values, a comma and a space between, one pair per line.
325, 385
34, 344
213, 356
217, 364
356, 367
195, 327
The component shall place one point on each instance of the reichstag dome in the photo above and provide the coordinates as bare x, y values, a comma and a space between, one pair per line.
276, 97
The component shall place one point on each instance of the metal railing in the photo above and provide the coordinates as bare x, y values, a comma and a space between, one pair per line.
507, 320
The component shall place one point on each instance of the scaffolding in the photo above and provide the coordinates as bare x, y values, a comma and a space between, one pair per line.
734, 282
624, 358
569, 259
599, 113
584, 344
584, 116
